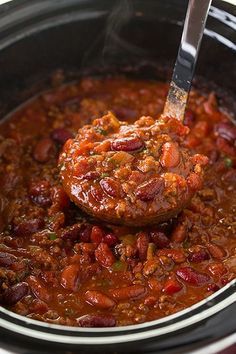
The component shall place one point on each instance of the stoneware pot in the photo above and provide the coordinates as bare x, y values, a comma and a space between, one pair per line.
39, 36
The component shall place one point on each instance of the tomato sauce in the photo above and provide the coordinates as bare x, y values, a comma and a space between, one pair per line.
59, 265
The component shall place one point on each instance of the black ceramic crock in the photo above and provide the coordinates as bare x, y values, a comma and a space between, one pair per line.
136, 36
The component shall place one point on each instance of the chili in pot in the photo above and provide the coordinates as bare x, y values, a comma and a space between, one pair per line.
61, 266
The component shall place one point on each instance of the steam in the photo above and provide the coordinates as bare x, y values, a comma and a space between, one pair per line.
113, 43
120, 15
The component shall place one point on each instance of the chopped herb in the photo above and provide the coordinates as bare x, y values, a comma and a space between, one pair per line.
228, 162
119, 266
91, 159
104, 283
69, 312
103, 175
17, 278
112, 161
128, 239
150, 251
186, 244
52, 236
34, 249
101, 131
3, 247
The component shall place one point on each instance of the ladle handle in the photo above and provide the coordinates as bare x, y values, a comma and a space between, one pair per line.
187, 57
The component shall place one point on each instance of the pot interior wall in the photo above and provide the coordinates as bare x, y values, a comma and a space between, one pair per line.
118, 34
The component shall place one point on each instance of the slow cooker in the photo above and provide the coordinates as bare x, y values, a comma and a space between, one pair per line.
81, 36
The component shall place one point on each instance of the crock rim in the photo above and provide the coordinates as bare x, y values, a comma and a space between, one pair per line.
208, 307
95, 336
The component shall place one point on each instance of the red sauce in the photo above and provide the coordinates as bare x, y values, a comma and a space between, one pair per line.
131, 174
59, 265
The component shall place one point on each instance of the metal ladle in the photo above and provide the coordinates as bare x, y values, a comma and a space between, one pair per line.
186, 59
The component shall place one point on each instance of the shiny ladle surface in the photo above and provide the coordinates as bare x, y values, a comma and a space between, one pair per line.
185, 64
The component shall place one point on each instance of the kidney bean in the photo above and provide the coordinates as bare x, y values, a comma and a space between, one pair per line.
82, 168
213, 287
57, 221
194, 181
43, 149
217, 269
211, 105
199, 256
177, 255
179, 233
128, 292
137, 177
166, 262
111, 240
86, 248
207, 194
159, 239
227, 278
28, 227
191, 276
98, 320
200, 159
230, 262
61, 135
85, 233
40, 193
225, 146
97, 234
155, 285
189, 118
38, 306
142, 245
171, 286
90, 176
59, 198
230, 176
72, 104
70, 277
213, 156
201, 129
150, 301
124, 112
111, 187
104, 255
102, 147
128, 144
71, 233
38, 289
91, 270
150, 267
191, 141
226, 131
14, 294
216, 251
151, 250
14, 242
97, 193
148, 190
7, 259
170, 156
98, 299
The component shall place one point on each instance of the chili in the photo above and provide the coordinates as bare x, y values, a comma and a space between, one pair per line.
61, 266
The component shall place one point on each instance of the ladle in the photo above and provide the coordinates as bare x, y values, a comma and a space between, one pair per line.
186, 59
